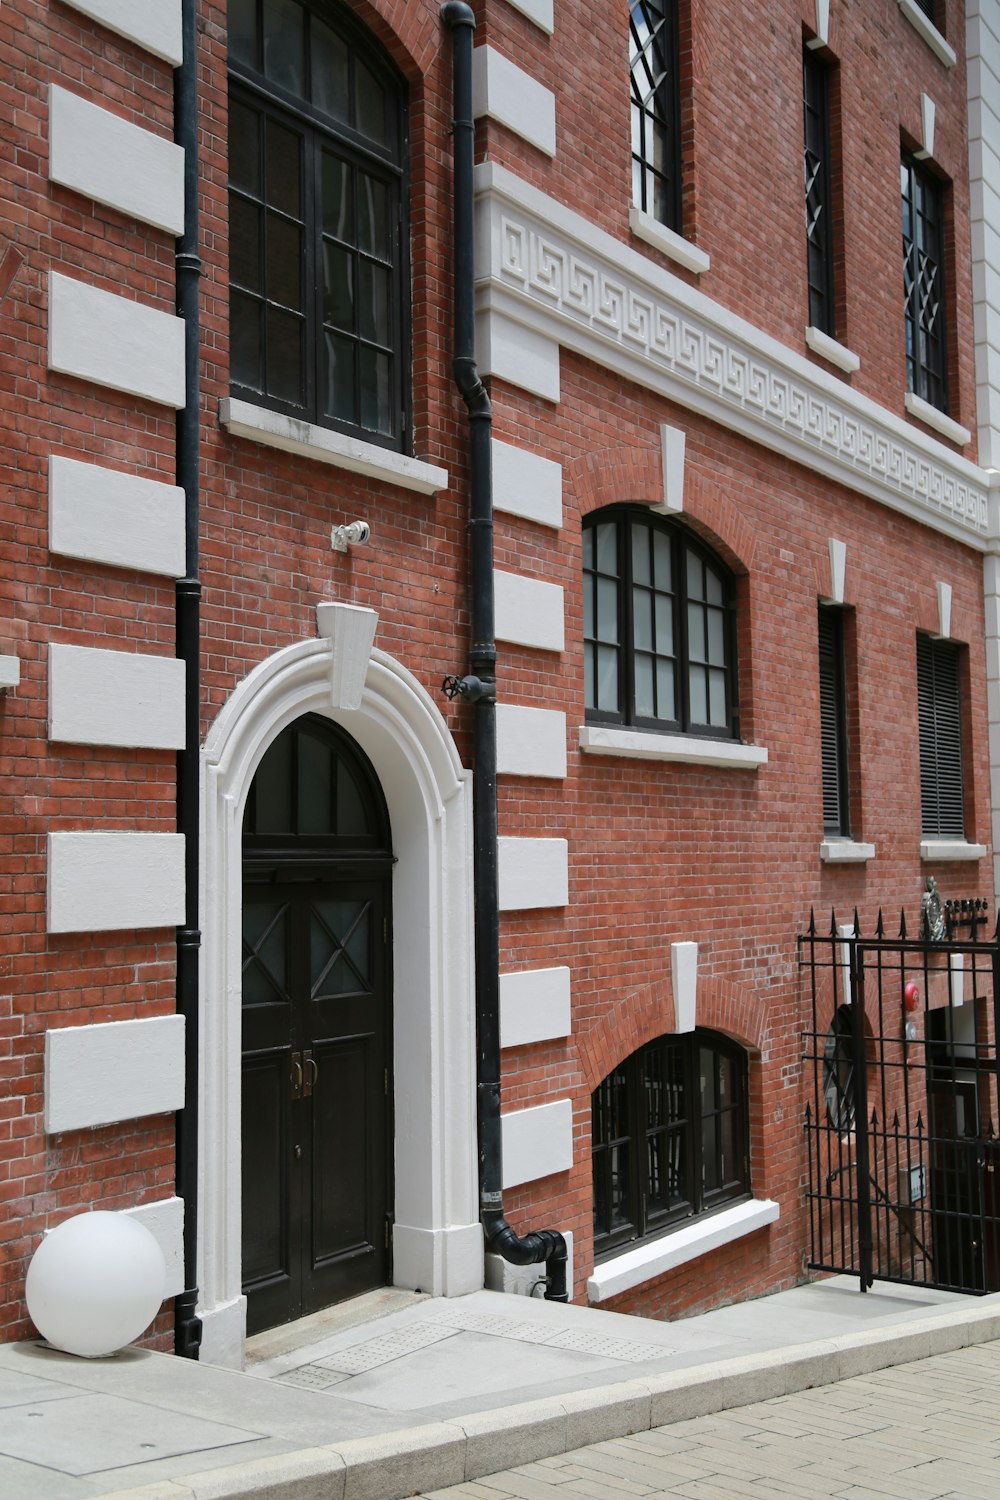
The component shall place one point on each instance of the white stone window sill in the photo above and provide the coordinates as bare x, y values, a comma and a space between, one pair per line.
836, 354
845, 852
645, 227
639, 744
647, 1261
935, 41
931, 417
292, 435
950, 850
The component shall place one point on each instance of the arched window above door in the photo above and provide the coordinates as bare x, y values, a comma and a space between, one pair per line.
314, 787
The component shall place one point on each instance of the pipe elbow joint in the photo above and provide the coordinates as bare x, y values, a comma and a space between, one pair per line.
471, 388
456, 13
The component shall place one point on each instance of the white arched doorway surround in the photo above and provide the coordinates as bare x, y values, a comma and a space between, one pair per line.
437, 1239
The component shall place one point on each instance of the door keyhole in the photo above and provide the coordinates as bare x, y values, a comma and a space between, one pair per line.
298, 1153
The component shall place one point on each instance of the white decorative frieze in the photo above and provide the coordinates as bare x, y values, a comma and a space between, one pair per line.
541, 264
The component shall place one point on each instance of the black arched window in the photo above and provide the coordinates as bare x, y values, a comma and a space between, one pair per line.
317, 233
670, 1137
658, 626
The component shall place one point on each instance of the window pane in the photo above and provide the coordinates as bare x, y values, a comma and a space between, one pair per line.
373, 216
314, 807
709, 1153
351, 815
706, 1072
244, 147
369, 104
338, 286
698, 696
696, 632
243, 31
665, 626
589, 676
716, 637
373, 302
607, 609
717, 716
645, 703
376, 390
640, 555
284, 44
695, 575
619, 1187
244, 341
265, 948
666, 702
244, 244
284, 356
642, 619
607, 678
284, 262
338, 212
662, 561
284, 169
607, 548
339, 382
329, 71
272, 789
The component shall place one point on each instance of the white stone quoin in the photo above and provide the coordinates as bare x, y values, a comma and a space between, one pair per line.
119, 520
533, 873
105, 882
530, 741
99, 154
537, 1142
526, 484
509, 95
529, 612
115, 698
115, 341
534, 1006
115, 1070
154, 24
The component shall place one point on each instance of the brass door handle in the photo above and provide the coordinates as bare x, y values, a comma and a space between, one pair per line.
296, 1075
312, 1073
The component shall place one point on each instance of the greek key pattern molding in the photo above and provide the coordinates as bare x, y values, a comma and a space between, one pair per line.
603, 300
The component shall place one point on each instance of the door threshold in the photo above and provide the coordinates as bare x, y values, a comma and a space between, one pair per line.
366, 1308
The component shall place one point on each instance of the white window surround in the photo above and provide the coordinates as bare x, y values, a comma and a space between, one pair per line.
836, 354
925, 412
674, 245
838, 851
292, 435
543, 268
922, 23
642, 744
950, 850
653, 1258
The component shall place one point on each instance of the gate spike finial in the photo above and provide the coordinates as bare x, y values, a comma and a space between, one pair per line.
902, 924
833, 922
880, 925
857, 924
812, 921
996, 930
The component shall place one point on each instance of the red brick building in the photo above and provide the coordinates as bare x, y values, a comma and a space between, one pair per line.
740, 536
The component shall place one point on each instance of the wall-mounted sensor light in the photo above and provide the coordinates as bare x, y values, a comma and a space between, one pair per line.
352, 535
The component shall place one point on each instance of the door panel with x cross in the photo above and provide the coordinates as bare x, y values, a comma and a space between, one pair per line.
315, 1091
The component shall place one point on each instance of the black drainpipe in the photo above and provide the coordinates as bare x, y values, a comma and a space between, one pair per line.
187, 1324
479, 688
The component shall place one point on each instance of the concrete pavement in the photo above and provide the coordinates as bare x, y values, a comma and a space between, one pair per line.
923, 1431
400, 1393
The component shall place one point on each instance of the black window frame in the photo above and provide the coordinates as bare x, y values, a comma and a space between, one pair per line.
625, 1133
683, 543
818, 192
925, 300
939, 712
833, 721
363, 158
654, 54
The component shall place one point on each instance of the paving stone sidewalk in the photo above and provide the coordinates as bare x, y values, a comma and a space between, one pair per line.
923, 1431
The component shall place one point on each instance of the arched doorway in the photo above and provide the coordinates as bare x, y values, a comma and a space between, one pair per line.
316, 1026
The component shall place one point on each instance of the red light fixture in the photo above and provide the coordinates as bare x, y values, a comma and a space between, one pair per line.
911, 995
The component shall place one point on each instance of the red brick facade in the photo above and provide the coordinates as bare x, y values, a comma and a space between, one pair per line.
658, 852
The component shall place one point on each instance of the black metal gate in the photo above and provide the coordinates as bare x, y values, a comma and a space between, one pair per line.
903, 1176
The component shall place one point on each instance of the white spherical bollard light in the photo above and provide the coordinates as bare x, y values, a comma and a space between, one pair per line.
95, 1283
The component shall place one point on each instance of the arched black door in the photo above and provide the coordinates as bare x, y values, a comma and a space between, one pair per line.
317, 1130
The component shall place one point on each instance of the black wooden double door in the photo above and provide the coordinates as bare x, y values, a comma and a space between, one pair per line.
316, 1090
